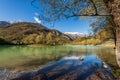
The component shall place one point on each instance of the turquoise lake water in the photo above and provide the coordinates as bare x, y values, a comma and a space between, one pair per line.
32, 57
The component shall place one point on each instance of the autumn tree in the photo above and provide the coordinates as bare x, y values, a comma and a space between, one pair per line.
103, 25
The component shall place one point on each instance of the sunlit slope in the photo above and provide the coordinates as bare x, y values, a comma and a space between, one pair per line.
32, 33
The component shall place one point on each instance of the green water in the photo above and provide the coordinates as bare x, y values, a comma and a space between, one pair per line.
28, 57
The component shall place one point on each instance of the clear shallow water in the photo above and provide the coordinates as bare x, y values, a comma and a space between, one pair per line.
26, 57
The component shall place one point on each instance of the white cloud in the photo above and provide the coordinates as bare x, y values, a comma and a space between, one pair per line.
37, 20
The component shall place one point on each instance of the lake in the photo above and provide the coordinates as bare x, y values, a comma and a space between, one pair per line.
30, 57
25, 58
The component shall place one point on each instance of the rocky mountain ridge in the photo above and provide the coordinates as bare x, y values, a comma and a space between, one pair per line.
4, 23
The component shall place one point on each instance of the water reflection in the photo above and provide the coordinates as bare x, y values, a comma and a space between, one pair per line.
72, 68
24, 57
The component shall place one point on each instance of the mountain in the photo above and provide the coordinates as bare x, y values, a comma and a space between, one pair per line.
74, 35
4, 23
32, 33
104, 37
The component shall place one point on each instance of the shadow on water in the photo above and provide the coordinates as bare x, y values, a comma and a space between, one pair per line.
72, 68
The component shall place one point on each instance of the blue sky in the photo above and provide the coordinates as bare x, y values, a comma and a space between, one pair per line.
21, 10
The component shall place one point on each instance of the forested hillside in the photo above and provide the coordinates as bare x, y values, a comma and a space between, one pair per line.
31, 33
104, 36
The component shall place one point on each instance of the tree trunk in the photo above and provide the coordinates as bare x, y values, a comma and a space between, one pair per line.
114, 7
118, 45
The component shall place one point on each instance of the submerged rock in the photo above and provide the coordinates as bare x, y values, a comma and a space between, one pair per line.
105, 65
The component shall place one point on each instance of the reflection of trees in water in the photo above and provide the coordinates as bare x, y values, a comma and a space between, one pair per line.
108, 56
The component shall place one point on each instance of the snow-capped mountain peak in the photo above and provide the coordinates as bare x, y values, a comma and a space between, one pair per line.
74, 35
